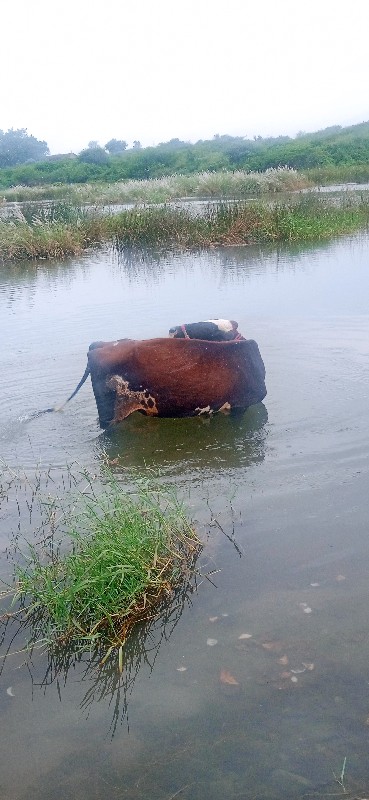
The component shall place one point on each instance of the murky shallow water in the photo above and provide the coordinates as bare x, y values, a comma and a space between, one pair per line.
289, 479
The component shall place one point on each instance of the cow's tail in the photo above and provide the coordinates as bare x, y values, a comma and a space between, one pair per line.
60, 407
83, 379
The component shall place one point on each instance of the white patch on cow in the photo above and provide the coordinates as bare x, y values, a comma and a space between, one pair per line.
115, 344
225, 408
223, 324
205, 410
127, 401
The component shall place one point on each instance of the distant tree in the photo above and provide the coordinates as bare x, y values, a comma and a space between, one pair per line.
17, 147
115, 146
225, 137
93, 155
93, 145
136, 145
172, 144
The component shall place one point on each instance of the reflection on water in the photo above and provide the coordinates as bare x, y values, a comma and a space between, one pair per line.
271, 715
339, 188
188, 727
219, 442
100, 680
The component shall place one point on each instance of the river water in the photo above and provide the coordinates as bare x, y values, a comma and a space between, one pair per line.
259, 686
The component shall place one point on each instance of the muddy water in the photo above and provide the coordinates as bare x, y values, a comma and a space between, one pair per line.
288, 481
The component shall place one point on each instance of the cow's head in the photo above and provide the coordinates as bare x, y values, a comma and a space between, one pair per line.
216, 330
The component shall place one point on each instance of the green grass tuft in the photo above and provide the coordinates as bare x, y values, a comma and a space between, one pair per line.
124, 556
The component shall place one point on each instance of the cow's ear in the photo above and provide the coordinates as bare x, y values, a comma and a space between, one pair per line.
234, 324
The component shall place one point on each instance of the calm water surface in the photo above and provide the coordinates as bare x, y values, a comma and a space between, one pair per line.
288, 480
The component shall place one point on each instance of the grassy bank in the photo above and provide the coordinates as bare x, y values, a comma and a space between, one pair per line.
338, 174
234, 185
123, 557
305, 218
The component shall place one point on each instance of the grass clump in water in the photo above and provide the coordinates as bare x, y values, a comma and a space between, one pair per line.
125, 556
237, 184
72, 231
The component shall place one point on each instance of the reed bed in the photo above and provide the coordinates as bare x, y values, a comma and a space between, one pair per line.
122, 560
305, 218
338, 174
233, 185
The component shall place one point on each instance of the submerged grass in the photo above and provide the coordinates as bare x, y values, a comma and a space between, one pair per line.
304, 218
124, 557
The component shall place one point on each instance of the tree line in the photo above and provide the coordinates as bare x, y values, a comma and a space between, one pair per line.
24, 160
19, 147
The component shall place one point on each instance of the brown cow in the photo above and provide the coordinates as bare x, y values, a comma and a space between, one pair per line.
173, 377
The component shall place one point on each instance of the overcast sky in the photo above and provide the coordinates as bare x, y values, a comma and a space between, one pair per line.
152, 70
